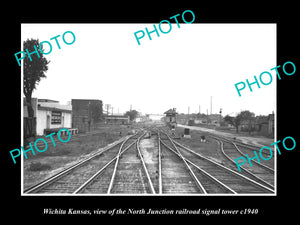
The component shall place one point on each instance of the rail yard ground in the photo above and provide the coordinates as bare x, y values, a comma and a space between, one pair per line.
172, 164
210, 147
55, 159
242, 136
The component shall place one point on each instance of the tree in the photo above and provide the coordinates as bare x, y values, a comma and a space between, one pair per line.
237, 122
33, 71
229, 119
244, 116
247, 117
132, 114
234, 121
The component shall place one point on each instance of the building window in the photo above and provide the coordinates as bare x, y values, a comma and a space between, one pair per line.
55, 117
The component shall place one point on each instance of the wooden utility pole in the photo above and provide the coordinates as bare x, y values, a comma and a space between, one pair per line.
210, 105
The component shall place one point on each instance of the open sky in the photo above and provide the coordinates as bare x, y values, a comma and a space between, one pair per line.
181, 69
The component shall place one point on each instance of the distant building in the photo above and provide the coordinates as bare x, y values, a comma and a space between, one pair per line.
86, 112
117, 119
214, 119
271, 120
265, 124
49, 114
170, 117
200, 119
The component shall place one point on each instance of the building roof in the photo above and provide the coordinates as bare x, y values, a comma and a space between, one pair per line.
171, 111
47, 100
214, 117
53, 109
261, 119
86, 100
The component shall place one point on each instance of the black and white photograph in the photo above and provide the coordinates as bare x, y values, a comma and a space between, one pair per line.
171, 113
167, 119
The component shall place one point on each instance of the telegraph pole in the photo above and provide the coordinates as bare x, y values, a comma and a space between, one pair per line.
107, 108
220, 116
210, 105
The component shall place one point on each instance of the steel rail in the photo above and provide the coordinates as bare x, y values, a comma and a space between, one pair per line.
247, 145
257, 163
144, 166
85, 184
244, 169
238, 143
159, 166
221, 139
115, 168
225, 168
59, 175
198, 183
250, 146
203, 171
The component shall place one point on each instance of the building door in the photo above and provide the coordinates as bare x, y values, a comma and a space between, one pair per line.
48, 122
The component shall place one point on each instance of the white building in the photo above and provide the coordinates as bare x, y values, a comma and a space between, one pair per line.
49, 114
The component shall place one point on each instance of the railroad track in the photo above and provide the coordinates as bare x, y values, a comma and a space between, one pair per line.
176, 175
130, 173
99, 173
197, 179
214, 177
165, 167
249, 150
170, 173
262, 172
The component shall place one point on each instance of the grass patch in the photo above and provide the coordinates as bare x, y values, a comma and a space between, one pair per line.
37, 166
42, 164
